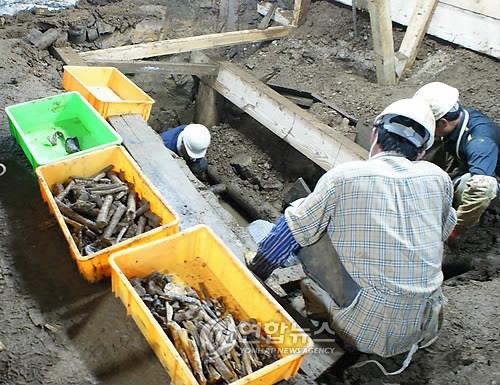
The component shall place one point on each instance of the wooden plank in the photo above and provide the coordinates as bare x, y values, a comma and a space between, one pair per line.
383, 43
291, 123
489, 8
300, 11
267, 18
158, 67
286, 91
335, 107
187, 44
299, 100
68, 56
280, 16
419, 22
474, 30
166, 174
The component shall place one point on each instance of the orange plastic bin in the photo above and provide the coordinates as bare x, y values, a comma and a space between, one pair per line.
108, 90
197, 255
96, 266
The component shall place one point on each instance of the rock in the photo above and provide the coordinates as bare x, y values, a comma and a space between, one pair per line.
40, 10
33, 36
43, 40
36, 317
271, 185
2, 347
242, 163
101, 2
104, 28
92, 34
77, 33
62, 40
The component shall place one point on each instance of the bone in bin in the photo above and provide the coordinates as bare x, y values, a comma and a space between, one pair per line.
102, 210
217, 348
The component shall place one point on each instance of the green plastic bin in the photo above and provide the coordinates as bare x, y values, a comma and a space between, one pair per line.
31, 123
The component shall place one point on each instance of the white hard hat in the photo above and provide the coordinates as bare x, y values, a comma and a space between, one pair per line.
416, 110
196, 139
440, 96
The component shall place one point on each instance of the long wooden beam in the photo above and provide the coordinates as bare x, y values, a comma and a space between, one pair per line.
291, 123
193, 43
383, 42
158, 67
414, 35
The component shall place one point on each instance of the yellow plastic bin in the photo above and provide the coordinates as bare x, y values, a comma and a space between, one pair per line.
96, 266
108, 90
197, 255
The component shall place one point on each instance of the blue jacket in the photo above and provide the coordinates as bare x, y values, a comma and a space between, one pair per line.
171, 136
479, 145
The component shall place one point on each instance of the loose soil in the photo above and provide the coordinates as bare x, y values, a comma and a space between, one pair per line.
56, 328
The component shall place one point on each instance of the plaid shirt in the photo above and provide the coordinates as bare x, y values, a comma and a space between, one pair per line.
387, 218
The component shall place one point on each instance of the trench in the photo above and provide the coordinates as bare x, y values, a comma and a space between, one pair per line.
247, 197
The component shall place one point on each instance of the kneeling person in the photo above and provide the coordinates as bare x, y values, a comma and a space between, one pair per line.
472, 141
191, 142
386, 219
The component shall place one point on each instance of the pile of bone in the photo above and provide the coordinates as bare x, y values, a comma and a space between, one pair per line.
217, 348
102, 210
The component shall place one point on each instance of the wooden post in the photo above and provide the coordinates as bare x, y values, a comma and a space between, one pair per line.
206, 112
383, 43
300, 11
414, 35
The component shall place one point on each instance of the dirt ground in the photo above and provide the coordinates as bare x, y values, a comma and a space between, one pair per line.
56, 328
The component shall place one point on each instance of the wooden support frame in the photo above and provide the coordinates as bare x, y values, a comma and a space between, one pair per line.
472, 24
414, 35
195, 43
300, 129
383, 42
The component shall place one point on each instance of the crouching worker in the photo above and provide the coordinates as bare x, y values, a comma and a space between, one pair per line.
191, 143
472, 142
370, 238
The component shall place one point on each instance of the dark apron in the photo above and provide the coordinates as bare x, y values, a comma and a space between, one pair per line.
321, 261
323, 265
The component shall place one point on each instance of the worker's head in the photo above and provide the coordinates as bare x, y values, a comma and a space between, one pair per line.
406, 127
195, 141
443, 100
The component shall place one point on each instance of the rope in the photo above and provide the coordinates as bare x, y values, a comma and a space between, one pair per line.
406, 362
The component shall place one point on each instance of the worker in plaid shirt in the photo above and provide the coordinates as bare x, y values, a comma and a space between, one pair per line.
387, 218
